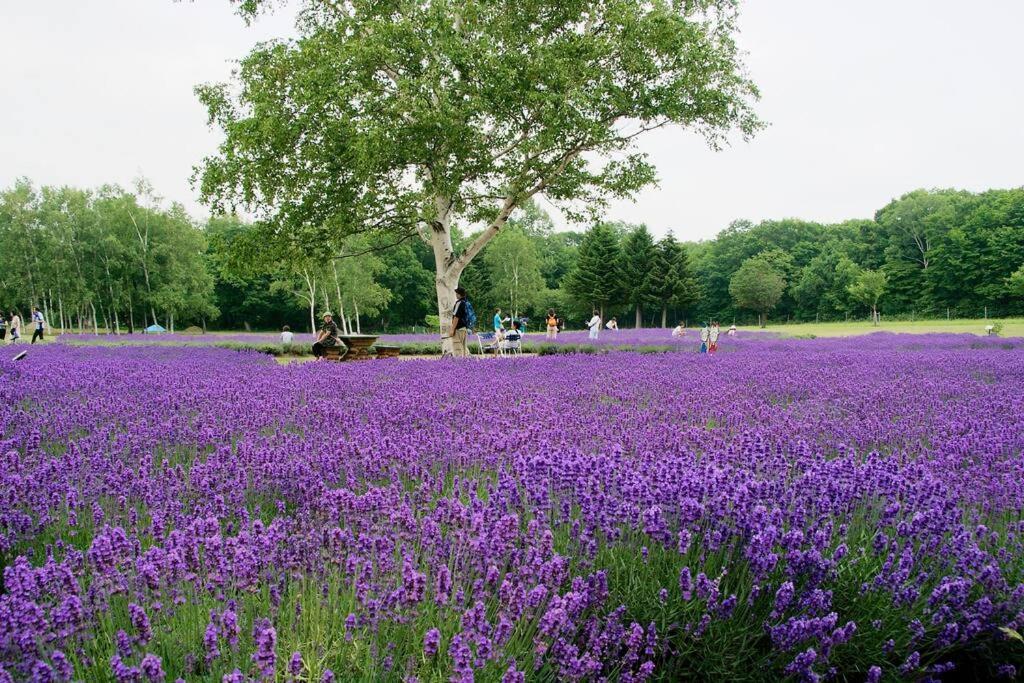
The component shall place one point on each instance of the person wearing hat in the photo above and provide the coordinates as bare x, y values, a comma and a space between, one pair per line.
327, 337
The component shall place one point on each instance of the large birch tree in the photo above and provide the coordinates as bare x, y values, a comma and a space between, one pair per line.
412, 116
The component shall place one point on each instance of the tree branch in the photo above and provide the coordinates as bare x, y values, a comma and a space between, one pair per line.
512, 201
384, 247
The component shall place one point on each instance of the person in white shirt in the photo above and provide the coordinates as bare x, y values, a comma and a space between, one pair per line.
713, 337
38, 324
732, 331
286, 337
612, 324
594, 325
680, 331
705, 334
15, 327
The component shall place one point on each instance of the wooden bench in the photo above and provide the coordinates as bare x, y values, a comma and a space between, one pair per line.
387, 351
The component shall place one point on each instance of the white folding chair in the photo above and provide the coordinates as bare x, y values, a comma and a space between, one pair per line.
487, 342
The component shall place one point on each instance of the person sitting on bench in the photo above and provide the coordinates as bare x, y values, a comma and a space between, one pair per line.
512, 338
327, 337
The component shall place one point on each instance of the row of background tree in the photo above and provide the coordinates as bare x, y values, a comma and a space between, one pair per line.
117, 259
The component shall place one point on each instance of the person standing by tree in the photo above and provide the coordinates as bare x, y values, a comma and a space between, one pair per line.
552, 322
462, 320
38, 324
327, 337
595, 325
15, 326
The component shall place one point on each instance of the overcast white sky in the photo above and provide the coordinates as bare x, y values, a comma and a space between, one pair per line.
866, 100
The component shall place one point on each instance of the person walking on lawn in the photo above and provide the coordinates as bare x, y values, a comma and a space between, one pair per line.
552, 324
15, 326
38, 324
594, 325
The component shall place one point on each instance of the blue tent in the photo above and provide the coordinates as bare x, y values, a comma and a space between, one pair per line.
155, 329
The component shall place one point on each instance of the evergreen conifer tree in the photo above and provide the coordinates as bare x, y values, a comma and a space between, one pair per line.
638, 271
672, 282
593, 281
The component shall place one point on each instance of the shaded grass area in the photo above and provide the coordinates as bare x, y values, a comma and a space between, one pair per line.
1011, 327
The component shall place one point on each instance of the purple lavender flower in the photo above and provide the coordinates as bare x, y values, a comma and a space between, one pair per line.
140, 622
42, 672
295, 664
265, 636
230, 627
124, 645
210, 641
686, 583
152, 667
124, 673
61, 666
431, 642
513, 675
783, 596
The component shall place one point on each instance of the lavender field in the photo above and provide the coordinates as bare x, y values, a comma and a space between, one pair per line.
846, 509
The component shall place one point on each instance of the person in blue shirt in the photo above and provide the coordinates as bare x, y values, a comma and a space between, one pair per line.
499, 322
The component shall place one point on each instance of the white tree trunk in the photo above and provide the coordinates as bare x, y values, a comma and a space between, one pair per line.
311, 294
446, 268
341, 316
341, 303
445, 288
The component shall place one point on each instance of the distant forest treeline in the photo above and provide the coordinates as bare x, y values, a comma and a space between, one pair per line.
117, 259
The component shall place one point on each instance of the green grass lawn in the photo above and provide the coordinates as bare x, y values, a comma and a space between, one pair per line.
1012, 327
